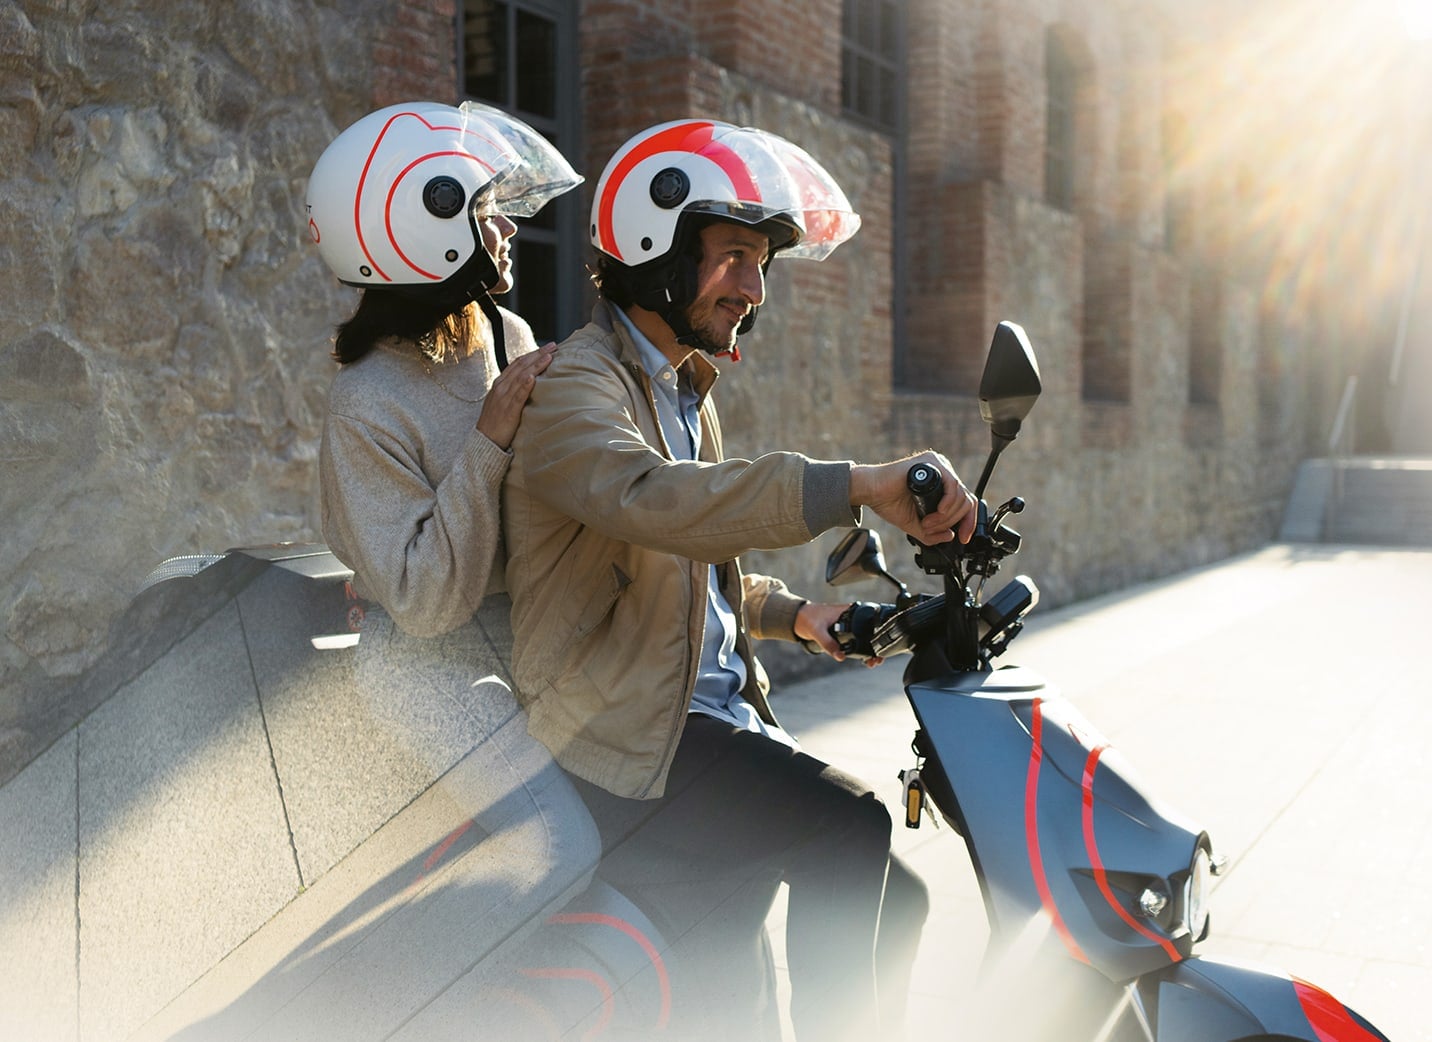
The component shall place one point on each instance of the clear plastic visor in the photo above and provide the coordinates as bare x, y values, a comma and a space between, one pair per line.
529, 171
780, 181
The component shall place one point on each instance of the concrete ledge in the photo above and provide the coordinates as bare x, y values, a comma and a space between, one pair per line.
461, 875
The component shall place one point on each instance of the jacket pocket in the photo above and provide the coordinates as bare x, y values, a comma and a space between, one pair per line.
601, 603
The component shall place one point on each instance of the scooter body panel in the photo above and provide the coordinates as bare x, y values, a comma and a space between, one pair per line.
1056, 821
1215, 1000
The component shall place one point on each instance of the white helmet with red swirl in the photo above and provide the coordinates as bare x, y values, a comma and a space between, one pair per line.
698, 166
394, 200
668, 181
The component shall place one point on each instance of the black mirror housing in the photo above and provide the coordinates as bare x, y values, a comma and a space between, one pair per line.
1010, 384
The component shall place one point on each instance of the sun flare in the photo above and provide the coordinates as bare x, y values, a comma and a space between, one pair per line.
1416, 18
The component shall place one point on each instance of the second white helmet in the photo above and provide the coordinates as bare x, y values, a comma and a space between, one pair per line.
394, 200
671, 172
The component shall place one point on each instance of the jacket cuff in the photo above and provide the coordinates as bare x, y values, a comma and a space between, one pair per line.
825, 502
778, 613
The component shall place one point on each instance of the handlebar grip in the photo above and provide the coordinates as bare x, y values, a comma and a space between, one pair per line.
857, 625
926, 485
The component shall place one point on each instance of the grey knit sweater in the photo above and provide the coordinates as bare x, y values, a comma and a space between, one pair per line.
410, 488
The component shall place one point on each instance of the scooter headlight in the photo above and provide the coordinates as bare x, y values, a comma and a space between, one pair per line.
1195, 893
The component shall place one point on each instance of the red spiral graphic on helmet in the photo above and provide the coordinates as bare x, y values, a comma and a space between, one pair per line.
695, 138
387, 214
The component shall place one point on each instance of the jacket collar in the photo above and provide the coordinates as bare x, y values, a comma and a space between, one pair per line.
703, 372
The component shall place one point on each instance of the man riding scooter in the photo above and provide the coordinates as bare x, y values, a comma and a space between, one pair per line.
633, 620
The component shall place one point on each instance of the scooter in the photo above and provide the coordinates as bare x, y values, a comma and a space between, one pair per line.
1095, 891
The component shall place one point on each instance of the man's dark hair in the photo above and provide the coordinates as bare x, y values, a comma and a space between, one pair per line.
613, 280
649, 285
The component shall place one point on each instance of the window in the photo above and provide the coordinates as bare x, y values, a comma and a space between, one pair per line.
520, 56
872, 93
871, 51
1205, 347
1061, 77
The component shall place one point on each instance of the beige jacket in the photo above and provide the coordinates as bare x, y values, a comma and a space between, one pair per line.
609, 541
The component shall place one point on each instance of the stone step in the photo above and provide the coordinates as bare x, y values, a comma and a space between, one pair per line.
1384, 501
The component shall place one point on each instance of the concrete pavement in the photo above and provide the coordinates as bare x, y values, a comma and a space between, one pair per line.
1280, 698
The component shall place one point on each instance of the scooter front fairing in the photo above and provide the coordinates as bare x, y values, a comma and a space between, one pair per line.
1058, 825
1204, 998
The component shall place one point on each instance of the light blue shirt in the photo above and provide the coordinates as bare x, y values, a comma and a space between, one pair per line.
722, 673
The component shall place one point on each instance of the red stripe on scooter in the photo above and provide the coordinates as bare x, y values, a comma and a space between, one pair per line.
1328, 1017
596, 980
1100, 876
1031, 836
642, 940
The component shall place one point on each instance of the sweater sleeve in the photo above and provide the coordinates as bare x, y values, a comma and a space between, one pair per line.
424, 553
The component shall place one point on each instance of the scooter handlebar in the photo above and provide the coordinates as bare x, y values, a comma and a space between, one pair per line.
926, 485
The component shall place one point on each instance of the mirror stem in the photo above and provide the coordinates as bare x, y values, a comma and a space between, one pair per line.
996, 447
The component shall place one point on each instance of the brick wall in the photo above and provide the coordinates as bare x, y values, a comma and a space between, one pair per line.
415, 53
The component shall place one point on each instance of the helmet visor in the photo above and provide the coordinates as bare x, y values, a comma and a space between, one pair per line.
775, 179
534, 172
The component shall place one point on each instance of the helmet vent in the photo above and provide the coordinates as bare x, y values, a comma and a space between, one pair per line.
443, 197
670, 187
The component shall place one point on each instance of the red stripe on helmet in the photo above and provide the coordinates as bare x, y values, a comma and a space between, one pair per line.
363, 178
695, 138
392, 191
1100, 876
1031, 835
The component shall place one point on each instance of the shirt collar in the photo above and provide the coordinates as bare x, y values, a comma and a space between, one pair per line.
653, 361
703, 374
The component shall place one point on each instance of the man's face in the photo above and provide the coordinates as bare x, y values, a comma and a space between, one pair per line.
729, 283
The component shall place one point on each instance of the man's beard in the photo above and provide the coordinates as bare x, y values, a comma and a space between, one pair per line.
701, 340
701, 336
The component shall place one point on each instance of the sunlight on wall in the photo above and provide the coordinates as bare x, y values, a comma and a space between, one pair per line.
1416, 18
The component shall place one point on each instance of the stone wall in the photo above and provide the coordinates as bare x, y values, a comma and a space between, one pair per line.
163, 328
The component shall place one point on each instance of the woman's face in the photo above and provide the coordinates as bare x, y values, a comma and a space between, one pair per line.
497, 232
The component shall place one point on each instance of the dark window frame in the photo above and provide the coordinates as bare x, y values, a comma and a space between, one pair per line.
872, 62
883, 51
558, 229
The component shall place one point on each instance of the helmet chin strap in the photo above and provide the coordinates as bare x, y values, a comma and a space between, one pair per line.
472, 282
494, 319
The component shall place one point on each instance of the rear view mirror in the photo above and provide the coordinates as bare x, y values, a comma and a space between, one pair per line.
1010, 384
858, 556
1008, 390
